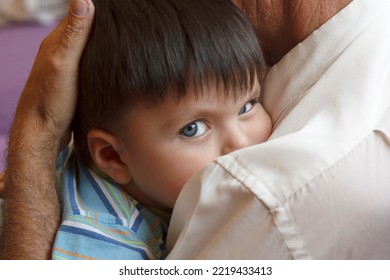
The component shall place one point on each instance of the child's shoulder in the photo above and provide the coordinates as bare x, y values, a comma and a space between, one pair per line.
96, 207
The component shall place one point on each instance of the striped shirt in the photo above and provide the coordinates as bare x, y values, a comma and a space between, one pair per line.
101, 221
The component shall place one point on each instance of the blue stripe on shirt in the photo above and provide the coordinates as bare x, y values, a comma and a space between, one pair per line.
137, 223
97, 236
101, 195
71, 188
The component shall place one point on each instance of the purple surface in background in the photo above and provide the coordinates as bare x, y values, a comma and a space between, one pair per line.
18, 47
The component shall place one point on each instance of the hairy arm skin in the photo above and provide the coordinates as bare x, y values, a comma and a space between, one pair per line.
2, 188
40, 130
31, 207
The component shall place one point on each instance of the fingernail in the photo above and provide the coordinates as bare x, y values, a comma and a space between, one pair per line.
79, 8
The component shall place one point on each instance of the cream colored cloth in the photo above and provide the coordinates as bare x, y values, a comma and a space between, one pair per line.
320, 187
42, 11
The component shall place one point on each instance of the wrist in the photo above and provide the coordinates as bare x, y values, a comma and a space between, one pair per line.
32, 141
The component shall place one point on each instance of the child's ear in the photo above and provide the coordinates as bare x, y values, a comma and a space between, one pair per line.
104, 150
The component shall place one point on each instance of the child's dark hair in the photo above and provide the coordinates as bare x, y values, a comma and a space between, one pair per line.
153, 49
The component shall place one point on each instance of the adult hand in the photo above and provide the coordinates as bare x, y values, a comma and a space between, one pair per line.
50, 94
40, 130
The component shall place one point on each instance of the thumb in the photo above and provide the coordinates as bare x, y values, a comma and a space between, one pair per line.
76, 27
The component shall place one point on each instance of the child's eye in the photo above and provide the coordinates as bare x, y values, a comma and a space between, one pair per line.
248, 106
194, 129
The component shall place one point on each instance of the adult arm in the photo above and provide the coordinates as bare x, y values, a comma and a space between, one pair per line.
40, 130
2, 188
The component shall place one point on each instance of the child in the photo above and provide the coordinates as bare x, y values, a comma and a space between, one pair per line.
166, 86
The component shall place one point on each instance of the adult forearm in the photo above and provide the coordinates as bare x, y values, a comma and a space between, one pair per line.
31, 207
40, 129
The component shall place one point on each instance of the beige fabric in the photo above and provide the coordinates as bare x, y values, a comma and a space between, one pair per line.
320, 187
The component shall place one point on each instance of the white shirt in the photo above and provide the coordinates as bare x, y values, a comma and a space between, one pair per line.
320, 187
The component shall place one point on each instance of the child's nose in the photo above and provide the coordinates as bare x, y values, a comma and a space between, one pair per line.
234, 142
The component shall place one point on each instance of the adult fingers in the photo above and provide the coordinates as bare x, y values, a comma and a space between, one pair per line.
50, 94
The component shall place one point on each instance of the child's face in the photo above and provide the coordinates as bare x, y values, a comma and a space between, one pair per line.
164, 145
